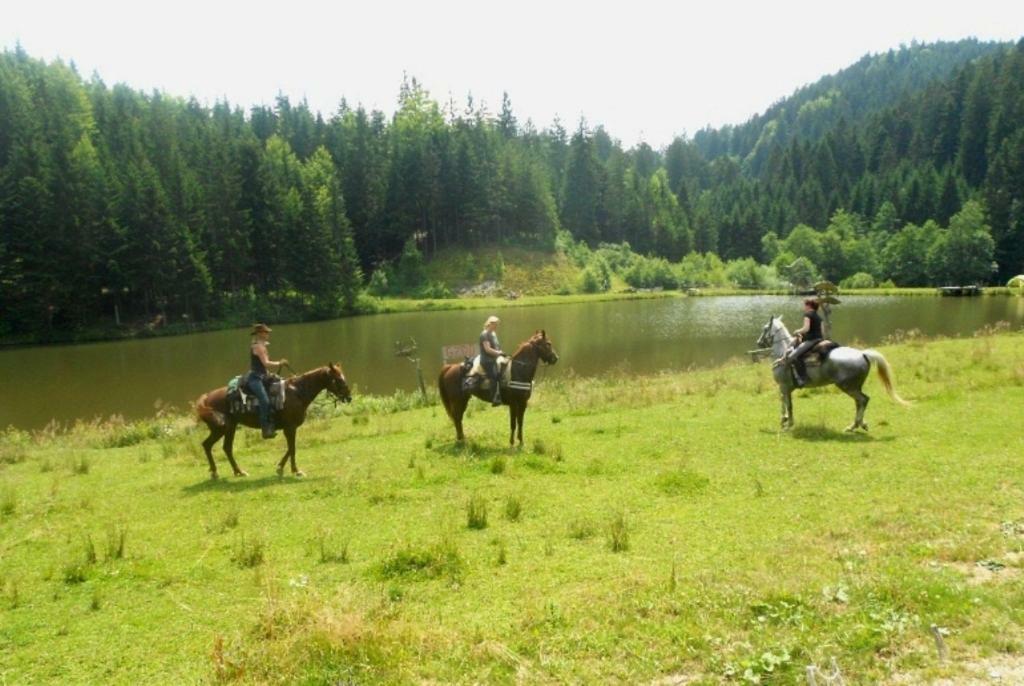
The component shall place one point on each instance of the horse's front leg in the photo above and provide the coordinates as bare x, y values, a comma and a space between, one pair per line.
787, 407
229, 449
522, 415
289, 434
511, 424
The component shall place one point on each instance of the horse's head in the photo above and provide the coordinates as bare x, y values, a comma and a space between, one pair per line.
542, 344
336, 383
767, 337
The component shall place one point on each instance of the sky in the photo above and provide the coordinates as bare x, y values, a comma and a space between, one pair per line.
647, 71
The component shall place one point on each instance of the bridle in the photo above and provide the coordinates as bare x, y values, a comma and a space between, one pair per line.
767, 338
335, 394
535, 344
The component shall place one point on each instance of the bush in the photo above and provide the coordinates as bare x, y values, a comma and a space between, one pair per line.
597, 277
697, 270
858, 280
746, 273
651, 272
440, 560
380, 284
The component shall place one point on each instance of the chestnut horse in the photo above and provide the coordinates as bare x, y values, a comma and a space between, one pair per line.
300, 391
524, 367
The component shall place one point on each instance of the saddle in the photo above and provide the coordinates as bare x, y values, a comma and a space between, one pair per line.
474, 375
242, 402
817, 355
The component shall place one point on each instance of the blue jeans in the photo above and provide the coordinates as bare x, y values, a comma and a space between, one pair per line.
490, 366
255, 386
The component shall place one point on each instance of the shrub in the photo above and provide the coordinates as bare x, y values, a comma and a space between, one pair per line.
580, 529
115, 542
746, 273
513, 509
330, 554
597, 277
433, 562
651, 272
249, 553
476, 513
858, 280
379, 284
618, 533
8, 501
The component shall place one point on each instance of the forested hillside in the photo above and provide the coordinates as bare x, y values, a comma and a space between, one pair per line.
907, 166
874, 82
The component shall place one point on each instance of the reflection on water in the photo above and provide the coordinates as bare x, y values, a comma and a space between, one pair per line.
130, 378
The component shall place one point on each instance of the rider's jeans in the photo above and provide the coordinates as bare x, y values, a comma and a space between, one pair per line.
256, 386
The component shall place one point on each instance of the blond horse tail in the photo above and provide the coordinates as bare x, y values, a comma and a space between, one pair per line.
885, 374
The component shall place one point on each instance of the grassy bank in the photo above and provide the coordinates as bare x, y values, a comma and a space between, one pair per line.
652, 531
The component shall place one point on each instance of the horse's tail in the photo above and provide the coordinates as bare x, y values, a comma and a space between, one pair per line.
443, 391
885, 374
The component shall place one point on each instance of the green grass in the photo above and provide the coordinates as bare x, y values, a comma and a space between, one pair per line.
653, 528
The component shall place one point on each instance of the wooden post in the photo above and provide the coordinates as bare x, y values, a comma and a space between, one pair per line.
410, 352
940, 644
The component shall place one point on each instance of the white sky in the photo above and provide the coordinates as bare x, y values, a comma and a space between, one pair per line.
646, 70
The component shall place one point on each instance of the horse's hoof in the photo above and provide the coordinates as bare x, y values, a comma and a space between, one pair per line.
280, 471
213, 476
865, 427
850, 429
299, 474
241, 472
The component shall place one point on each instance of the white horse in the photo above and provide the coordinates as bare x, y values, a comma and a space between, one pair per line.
845, 367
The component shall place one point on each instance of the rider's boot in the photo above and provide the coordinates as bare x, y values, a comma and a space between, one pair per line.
269, 431
799, 373
496, 400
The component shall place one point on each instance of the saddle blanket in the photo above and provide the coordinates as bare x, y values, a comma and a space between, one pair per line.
477, 369
476, 377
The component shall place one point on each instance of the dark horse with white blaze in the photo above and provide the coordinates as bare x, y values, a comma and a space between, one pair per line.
300, 390
524, 366
845, 367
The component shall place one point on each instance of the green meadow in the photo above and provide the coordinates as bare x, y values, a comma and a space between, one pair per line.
657, 530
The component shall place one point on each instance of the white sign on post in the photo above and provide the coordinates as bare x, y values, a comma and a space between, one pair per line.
457, 353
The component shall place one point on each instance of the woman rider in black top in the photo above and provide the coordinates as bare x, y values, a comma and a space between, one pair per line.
809, 335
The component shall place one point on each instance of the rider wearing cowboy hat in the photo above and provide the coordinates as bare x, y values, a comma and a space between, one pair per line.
259, 360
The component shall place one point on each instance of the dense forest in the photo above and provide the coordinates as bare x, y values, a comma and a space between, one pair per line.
908, 167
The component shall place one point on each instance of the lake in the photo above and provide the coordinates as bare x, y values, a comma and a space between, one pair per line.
134, 378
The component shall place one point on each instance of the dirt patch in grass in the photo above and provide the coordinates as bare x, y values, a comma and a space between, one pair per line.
1000, 669
991, 571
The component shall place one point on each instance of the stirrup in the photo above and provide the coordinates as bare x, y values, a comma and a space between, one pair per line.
268, 432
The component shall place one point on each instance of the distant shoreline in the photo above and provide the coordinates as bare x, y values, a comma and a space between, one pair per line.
370, 305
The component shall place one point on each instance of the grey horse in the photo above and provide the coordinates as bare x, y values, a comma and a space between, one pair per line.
845, 367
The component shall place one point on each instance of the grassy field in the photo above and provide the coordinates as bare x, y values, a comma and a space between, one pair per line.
658, 531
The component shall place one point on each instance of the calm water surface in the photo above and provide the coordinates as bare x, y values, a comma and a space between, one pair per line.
132, 378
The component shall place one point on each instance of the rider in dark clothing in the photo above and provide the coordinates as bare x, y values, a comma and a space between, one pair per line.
490, 349
809, 335
259, 360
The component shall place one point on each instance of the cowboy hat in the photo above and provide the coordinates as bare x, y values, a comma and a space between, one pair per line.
259, 328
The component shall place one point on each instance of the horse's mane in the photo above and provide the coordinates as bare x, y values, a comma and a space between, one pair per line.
524, 345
